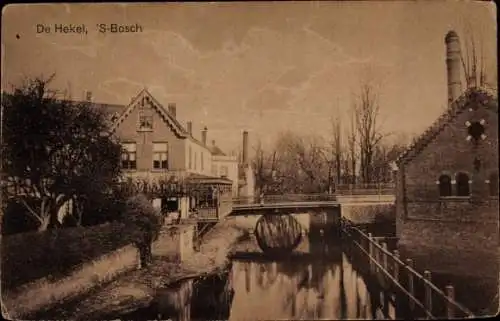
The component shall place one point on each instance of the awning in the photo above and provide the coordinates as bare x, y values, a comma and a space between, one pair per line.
203, 179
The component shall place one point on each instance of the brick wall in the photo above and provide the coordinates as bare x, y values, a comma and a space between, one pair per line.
453, 230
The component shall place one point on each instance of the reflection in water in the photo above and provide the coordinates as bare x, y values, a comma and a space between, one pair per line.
302, 291
278, 234
323, 278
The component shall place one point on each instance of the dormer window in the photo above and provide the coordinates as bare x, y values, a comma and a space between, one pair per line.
145, 121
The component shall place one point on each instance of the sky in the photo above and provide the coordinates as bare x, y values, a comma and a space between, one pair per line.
264, 67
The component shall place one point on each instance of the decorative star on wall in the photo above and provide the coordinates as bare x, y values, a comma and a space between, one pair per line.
475, 130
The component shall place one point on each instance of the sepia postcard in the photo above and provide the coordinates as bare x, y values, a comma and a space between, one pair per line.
267, 160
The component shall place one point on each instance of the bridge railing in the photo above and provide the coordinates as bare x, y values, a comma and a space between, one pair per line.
340, 190
423, 296
365, 189
285, 198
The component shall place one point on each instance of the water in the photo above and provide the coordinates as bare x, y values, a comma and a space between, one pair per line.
323, 278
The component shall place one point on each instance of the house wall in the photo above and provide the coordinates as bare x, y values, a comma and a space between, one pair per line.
197, 166
128, 131
451, 229
231, 163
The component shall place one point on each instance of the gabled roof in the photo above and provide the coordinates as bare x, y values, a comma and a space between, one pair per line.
477, 95
216, 151
144, 97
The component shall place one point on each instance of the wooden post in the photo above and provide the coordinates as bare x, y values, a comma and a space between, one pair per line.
411, 287
450, 293
428, 292
396, 266
384, 255
370, 250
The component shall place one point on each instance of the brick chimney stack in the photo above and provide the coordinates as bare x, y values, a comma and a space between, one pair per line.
245, 148
190, 128
453, 58
172, 109
204, 135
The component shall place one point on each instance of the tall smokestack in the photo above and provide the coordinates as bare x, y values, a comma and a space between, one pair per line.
204, 136
190, 128
172, 109
453, 58
245, 148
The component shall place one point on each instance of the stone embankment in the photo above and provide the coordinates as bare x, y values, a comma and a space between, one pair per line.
138, 288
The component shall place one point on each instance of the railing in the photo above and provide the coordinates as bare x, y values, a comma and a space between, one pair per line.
286, 198
207, 213
341, 190
365, 189
424, 298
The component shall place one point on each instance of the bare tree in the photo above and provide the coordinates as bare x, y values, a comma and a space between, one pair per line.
474, 62
337, 147
366, 112
351, 159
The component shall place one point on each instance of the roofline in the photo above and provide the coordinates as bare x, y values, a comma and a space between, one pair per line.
453, 110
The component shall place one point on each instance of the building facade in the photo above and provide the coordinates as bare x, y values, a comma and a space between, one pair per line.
447, 183
157, 147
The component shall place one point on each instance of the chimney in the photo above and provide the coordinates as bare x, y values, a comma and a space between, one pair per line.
245, 148
190, 127
453, 66
172, 109
88, 96
204, 136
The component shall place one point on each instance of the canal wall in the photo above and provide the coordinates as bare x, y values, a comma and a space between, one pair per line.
136, 290
173, 243
368, 213
455, 237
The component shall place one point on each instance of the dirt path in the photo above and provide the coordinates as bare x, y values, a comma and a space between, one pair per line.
136, 289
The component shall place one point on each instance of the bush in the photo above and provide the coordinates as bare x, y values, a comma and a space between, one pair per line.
17, 219
141, 217
30, 256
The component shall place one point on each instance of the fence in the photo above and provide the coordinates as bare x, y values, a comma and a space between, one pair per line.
423, 298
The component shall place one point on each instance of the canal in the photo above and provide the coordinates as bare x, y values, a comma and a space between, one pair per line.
323, 277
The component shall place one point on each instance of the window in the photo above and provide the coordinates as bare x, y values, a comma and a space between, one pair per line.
145, 121
444, 185
493, 182
462, 184
160, 156
202, 162
190, 165
195, 160
214, 170
129, 156
223, 171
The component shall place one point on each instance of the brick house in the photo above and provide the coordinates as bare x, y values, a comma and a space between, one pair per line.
447, 183
156, 146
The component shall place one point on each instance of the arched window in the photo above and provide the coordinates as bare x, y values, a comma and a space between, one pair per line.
493, 179
444, 185
462, 184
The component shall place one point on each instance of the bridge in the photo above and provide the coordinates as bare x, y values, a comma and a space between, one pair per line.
289, 203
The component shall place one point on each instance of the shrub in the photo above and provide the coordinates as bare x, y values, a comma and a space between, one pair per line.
141, 217
30, 256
